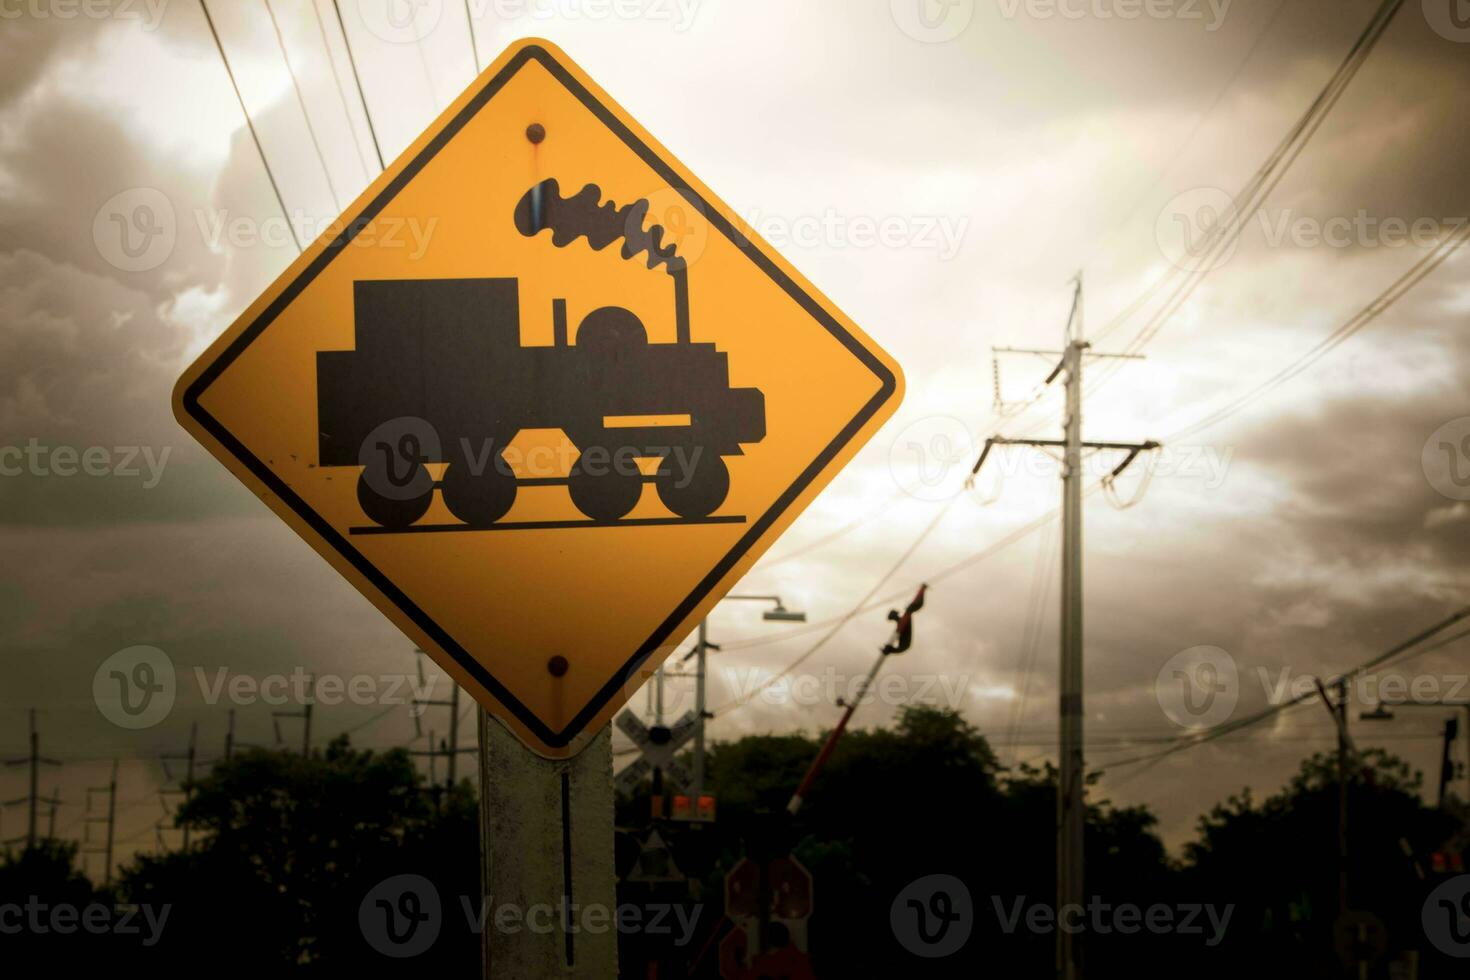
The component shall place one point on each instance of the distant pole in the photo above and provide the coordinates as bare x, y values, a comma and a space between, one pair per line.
1071, 782
701, 654
35, 781
453, 731
189, 774
111, 823
1447, 759
35, 761
1071, 804
1342, 798
306, 718
110, 819
1338, 708
658, 695
230, 737
451, 750
304, 714
188, 758
546, 842
55, 802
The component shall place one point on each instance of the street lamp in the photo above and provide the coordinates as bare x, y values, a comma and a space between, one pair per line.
702, 646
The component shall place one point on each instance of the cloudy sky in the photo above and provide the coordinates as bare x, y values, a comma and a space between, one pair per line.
1000, 145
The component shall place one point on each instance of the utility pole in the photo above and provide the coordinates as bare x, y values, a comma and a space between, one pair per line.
35, 760
1451, 734
188, 758
450, 750
55, 802
1338, 708
700, 653
701, 713
1447, 758
304, 714
111, 820
1071, 786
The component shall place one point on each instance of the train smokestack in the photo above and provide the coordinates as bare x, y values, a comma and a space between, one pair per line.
584, 215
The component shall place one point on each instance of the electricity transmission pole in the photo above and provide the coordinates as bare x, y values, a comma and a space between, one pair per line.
188, 758
1071, 789
450, 750
304, 714
111, 820
35, 760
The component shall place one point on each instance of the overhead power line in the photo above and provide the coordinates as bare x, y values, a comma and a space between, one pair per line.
1380, 304
1185, 742
1224, 234
270, 175
357, 77
301, 102
341, 95
469, 19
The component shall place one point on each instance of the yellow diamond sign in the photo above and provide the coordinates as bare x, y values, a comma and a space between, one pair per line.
540, 396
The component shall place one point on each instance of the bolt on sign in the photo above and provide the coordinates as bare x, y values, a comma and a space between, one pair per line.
549, 436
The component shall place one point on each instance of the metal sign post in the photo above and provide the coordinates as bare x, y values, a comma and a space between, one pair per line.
546, 859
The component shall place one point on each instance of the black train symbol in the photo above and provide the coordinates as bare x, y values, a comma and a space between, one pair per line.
446, 355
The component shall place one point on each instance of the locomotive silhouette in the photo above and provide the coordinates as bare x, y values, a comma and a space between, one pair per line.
439, 376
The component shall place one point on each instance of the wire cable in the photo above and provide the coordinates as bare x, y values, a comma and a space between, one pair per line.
1377, 307
270, 175
1219, 731
352, 62
321, 28
301, 101
469, 20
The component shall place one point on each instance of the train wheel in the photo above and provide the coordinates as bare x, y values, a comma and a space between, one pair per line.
603, 492
389, 505
478, 498
698, 492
